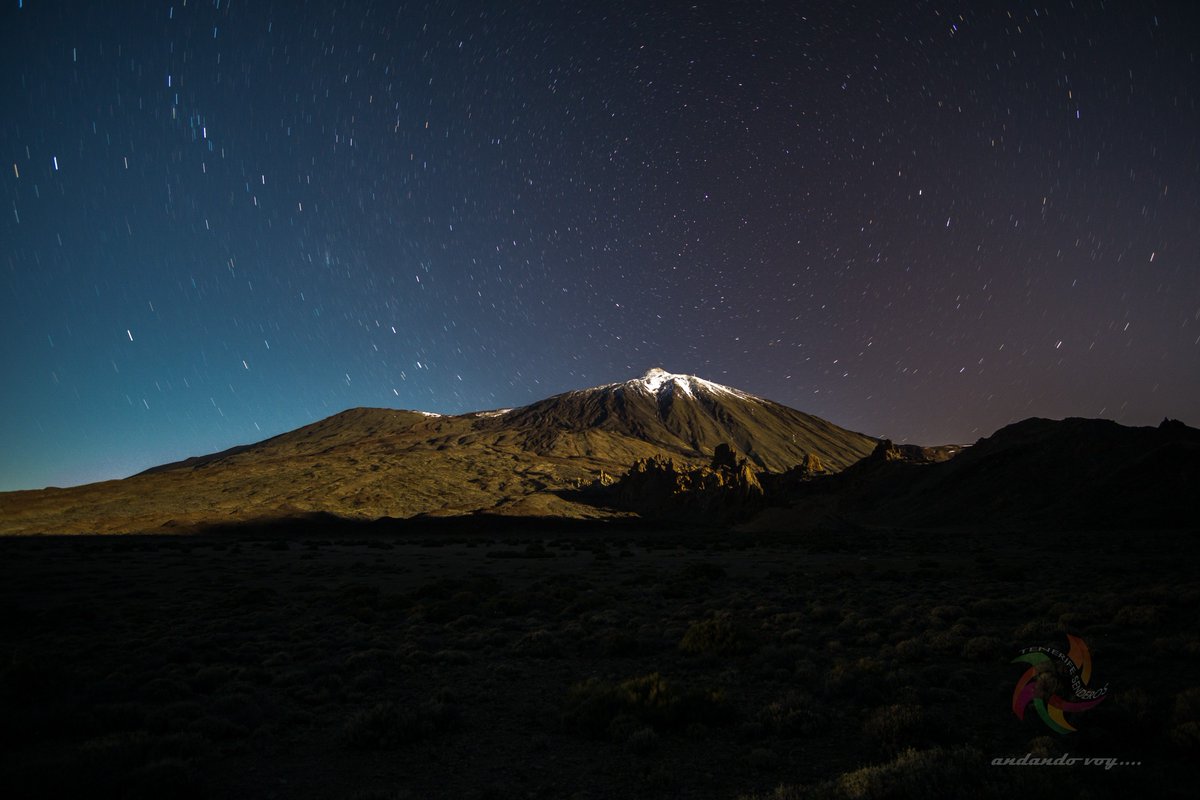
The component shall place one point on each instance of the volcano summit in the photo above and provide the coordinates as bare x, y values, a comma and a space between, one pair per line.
369, 463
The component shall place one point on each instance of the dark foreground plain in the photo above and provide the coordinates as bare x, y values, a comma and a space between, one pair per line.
502, 661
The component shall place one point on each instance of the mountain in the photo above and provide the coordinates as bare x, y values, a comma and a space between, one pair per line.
368, 463
679, 415
1038, 474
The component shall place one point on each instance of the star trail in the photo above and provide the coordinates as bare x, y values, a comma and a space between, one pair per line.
224, 220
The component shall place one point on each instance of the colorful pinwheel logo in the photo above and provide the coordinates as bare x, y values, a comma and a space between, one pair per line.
1051, 675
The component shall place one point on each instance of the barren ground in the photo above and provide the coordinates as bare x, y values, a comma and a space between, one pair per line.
588, 663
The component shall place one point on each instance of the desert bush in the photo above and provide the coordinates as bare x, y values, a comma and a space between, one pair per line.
795, 714
207, 679
448, 656
702, 572
934, 774
173, 716
822, 612
1138, 710
25, 677
1187, 706
1147, 616
167, 777
694, 579
982, 648
371, 657
385, 726
538, 644
120, 716
251, 597
896, 727
165, 689
719, 635
219, 729
910, 650
598, 708
356, 600
858, 678
644, 741
762, 758
916, 774
117, 754
1036, 629
989, 607
1132, 718
616, 642
1185, 737
1045, 747
942, 642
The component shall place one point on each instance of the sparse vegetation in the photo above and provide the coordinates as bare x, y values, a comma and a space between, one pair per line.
385, 726
720, 635
596, 707
897, 727
691, 666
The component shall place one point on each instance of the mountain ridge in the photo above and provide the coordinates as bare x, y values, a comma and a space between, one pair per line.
1035, 474
371, 463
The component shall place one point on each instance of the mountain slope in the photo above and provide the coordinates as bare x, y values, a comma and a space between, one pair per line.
1064, 473
680, 415
1036, 474
370, 463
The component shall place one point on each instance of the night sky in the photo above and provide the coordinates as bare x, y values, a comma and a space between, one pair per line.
224, 220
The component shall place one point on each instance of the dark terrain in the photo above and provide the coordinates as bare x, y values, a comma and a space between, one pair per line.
495, 659
662, 588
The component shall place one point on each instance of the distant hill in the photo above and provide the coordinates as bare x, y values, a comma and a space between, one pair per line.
370, 463
1036, 474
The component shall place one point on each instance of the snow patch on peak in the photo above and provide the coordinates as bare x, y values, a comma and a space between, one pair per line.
428, 414
657, 380
497, 413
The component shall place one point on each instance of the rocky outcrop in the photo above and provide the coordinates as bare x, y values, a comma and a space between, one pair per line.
659, 487
887, 451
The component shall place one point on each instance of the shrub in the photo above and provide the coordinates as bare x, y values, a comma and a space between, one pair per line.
910, 650
385, 726
208, 679
1185, 737
538, 644
762, 758
923, 775
168, 777
1187, 705
643, 741
616, 642
794, 714
915, 774
702, 572
982, 648
1139, 616
719, 635
858, 678
599, 708
173, 716
896, 727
